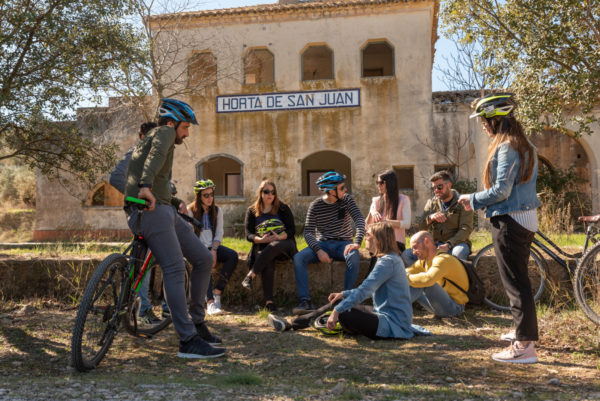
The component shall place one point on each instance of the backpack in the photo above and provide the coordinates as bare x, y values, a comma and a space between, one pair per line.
476, 292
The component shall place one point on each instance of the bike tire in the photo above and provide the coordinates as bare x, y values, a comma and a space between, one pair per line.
131, 320
586, 283
98, 316
497, 298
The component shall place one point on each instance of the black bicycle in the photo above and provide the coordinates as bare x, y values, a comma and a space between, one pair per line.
584, 271
110, 300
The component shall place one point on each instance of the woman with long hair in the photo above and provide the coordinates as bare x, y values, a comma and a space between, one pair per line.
510, 201
270, 227
204, 209
391, 313
390, 206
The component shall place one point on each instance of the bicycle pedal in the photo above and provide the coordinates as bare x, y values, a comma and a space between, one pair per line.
143, 335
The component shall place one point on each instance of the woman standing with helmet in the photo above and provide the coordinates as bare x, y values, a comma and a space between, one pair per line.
510, 202
390, 206
204, 209
270, 227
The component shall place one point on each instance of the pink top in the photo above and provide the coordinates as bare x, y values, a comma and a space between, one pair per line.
402, 216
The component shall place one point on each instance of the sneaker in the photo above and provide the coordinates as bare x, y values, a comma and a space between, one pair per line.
515, 354
305, 306
217, 301
279, 323
247, 282
197, 348
271, 307
213, 309
510, 336
203, 332
149, 318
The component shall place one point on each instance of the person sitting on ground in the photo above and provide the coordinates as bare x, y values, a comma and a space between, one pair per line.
391, 206
430, 276
204, 209
446, 219
270, 227
391, 313
329, 234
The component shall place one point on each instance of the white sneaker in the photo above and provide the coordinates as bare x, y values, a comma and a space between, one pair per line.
515, 354
510, 336
217, 301
212, 309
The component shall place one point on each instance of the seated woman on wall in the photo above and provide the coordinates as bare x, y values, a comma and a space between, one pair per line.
390, 206
391, 313
203, 208
270, 227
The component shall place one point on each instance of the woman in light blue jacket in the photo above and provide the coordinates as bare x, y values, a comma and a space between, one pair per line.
510, 202
391, 314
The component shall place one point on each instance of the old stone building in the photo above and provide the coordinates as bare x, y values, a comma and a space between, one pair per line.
298, 88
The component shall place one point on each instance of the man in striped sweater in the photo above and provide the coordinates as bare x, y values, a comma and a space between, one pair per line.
330, 236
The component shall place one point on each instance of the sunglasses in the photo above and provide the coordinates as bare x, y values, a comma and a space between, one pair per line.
208, 195
380, 182
342, 188
438, 187
268, 192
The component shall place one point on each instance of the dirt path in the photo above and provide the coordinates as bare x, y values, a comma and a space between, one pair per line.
265, 365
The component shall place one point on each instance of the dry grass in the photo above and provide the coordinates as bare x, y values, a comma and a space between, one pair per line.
454, 363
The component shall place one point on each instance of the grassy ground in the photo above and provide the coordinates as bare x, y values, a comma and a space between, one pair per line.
262, 364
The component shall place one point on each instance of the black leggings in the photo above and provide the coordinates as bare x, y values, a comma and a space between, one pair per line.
265, 263
229, 257
360, 320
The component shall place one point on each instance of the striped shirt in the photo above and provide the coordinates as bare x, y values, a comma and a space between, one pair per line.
333, 221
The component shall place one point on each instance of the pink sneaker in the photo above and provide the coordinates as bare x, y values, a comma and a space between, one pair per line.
516, 354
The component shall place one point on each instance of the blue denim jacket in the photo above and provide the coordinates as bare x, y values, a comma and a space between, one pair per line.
507, 194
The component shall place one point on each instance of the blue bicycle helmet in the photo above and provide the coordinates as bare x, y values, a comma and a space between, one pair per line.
177, 110
330, 180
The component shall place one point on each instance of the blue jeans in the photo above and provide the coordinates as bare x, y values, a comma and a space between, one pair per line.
436, 300
335, 250
143, 294
461, 251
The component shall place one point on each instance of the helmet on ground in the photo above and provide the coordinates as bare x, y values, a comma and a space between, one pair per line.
496, 104
274, 225
320, 324
201, 185
330, 180
177, 110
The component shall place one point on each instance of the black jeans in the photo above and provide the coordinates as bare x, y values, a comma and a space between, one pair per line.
264, 263
360, 320
229, 258
512, 243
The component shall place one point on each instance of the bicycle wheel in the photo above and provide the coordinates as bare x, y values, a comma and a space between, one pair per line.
139, 327
587, 284
487, 269
98, 317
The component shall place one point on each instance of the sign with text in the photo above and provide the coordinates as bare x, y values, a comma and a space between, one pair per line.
289, 101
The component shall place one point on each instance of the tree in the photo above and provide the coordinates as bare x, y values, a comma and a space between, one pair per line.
52, 54
551, 49
168, 63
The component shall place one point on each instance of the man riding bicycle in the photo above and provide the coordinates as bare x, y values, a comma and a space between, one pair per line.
167, 234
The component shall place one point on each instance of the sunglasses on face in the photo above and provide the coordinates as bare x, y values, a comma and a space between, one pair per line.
380, 182
342, 188
208, 195
439, 187
268, 192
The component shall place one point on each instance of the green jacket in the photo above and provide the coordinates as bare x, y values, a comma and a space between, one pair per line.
458, 225
151, 163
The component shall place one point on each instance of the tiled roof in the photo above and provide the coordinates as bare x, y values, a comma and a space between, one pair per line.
307, 5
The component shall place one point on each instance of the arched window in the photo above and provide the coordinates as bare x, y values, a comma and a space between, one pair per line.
317, 63
225, 171
259, 67
202, 70
315, 165
377, 60
104, 194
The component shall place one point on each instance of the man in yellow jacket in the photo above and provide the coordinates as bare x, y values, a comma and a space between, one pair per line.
429, 278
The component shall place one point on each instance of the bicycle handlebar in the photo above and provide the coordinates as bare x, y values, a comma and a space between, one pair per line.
143, 204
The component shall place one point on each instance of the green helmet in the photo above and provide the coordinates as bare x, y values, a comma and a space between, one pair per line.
320, 324
274, 225
496, 104
202, 184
